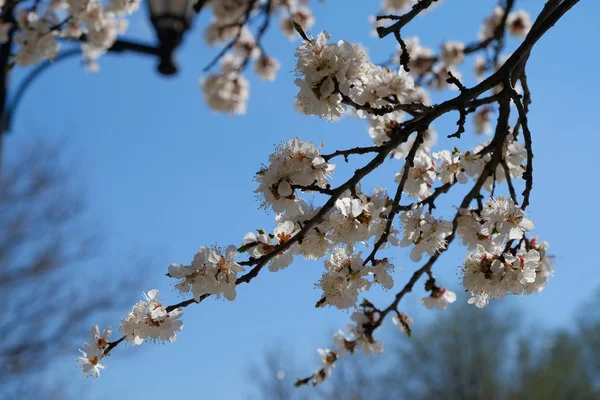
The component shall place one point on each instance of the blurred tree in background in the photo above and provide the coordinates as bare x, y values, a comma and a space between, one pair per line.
44, 237
465, 354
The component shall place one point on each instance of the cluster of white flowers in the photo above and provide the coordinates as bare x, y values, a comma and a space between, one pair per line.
228, 17
434, 70
346, 276
439, 298
449, 168
472, 163
518, 23
452, 52
471, 232
149, 319
427, 234
228, 90
544, 269
490, 272
297, 167
490, 275
500, 220
403, 322
330, 72
210, 272
294, 164
421, 59
381, 129
332, 76
357, 335
263, 244
397, 5
93, 351
40, 27
344, 279
266, 67
421, 176
504, 219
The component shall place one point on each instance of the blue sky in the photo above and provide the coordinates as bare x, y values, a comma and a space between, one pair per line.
164, 175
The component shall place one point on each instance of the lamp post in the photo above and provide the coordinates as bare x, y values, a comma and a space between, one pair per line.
171, 19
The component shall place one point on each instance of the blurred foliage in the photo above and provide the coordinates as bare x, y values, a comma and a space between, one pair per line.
464, 354
48, 297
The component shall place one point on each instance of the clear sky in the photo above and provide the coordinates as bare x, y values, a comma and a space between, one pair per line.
164, 175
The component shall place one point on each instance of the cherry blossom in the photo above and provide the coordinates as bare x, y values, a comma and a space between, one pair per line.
345, 220
518, 23
226, 91
362, 338
421, 176
94, 351
397, 5
344, 279
452, 52
149, 319
403, 322
440, 298
502, 215
266, 67
449, 169
295, 163
90, 364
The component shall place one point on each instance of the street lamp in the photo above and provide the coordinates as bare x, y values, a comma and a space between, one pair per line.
170, 18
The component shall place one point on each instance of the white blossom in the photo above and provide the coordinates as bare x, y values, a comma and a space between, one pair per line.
403, 322
544, 270
479, 67
503, 216
470, 231
226, 91
452, 52
124, 6
350, 222
397, 5
94, 351
440, 298
302, 16
421, 58
424, 231
490, 24
344, 279
331, 72
363, 339
421, 176
518, 23
449, 168
382, 273
149, 319
488, 276
266, 67
90, 364
209, 273
295, 163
